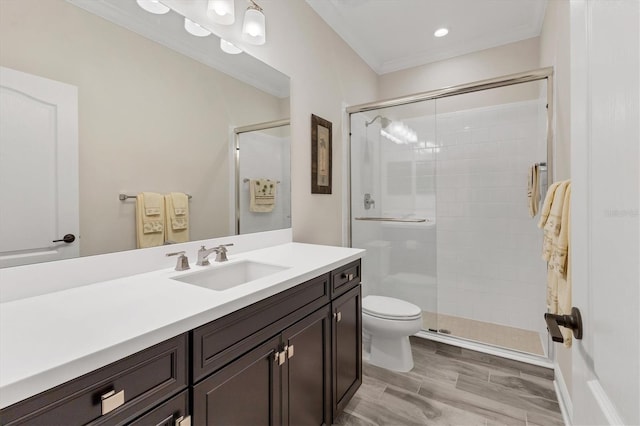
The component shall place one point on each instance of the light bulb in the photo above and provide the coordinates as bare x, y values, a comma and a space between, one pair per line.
221, 11
153, 6
229, 47
195, 29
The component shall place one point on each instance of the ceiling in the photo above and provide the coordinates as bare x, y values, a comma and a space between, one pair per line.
392, 35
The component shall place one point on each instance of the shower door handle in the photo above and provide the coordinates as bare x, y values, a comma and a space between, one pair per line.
392, 219
573, 322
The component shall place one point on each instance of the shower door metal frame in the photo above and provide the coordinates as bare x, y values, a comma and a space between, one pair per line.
477, 86
237, 132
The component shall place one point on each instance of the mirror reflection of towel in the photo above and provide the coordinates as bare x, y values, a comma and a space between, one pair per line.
149, 219
262, 195
177, 212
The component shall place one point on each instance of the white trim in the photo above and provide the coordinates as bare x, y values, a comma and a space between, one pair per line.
564, 398
346, 172
606, 406
488, 349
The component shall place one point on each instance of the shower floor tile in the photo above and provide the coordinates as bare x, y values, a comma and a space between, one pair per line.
494, 334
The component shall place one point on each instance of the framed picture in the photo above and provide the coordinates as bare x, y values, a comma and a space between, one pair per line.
320, 155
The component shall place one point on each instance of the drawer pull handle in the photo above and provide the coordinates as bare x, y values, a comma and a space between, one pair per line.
348, 276
111, 401
183, 421
289, 351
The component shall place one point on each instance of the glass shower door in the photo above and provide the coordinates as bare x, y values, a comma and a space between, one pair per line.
393, 203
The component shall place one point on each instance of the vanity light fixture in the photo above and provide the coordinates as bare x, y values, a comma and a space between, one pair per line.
229, 47
253, 27
153, 6
441, 32
195, 28
221, 11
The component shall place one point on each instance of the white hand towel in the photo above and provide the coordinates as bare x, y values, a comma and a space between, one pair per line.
177, 226
149, 219
262, 195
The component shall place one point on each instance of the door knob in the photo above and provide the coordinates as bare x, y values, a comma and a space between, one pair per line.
573, 322
69, 238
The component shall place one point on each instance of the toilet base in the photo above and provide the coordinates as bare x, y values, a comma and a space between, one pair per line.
391, 353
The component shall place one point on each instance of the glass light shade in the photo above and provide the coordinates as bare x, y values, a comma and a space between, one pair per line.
221, 11
253, 28
153, 6
228, 47
195, 29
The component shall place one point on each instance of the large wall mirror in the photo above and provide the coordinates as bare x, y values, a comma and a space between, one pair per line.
157, 109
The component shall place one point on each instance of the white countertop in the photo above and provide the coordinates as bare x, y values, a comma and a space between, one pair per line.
49, 339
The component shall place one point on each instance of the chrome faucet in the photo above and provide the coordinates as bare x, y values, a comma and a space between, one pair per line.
221, 254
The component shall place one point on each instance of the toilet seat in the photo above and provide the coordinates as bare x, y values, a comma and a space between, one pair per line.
390, 308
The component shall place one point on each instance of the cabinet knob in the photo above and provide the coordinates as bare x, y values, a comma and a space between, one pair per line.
112, 400
348, 276
337, 316
183, 421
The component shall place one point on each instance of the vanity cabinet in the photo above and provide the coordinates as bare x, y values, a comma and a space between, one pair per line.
116, 394
291, 359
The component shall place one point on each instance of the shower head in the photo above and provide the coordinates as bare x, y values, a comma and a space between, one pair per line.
384, 121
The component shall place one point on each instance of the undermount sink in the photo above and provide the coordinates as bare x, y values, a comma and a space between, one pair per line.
224, 277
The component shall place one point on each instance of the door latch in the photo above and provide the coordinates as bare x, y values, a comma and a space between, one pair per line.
573, 322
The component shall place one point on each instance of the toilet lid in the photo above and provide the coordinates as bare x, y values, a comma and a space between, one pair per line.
389, 307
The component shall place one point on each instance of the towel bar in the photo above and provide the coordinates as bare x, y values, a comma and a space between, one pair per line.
392, 219
123, 197
245, 180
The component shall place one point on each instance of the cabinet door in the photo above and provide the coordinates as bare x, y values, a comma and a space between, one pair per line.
245, 392
307, 373
346, 348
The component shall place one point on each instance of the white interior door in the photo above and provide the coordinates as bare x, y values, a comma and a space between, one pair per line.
38, 169
605, 214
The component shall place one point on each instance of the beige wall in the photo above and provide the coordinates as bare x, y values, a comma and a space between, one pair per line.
326, 74
150, 119
508, 59
554, 51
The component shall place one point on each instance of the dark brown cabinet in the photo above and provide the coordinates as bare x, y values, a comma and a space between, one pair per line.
291, 359
346, 347
113, 395
284, 381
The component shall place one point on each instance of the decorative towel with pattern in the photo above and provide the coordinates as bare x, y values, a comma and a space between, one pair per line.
262, 195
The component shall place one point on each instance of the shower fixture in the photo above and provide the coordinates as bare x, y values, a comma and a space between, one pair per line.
384, 121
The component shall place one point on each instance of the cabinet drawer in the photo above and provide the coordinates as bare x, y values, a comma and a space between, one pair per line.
166, 414
345, 278
138, 382
221, 341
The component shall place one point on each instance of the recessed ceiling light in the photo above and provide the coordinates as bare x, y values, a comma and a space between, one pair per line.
441, 32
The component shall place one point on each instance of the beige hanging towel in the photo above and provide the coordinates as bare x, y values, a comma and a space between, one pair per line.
262, 195
149, 219
177, 213
533, 190
553, 222
559, 268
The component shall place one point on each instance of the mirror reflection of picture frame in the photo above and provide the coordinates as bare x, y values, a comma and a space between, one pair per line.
321, 156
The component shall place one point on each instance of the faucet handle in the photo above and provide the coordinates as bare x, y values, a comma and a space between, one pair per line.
182, 263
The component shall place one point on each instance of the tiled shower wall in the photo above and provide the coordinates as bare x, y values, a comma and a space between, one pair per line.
488, 247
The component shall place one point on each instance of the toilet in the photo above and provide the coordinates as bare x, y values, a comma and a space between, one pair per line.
387, 324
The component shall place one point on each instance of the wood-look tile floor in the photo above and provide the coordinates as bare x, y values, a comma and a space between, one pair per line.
454, 386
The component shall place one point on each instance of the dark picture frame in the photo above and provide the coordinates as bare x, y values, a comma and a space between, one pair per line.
321, 155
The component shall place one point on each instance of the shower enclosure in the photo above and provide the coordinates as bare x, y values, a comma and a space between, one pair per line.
263, 151
439, 199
